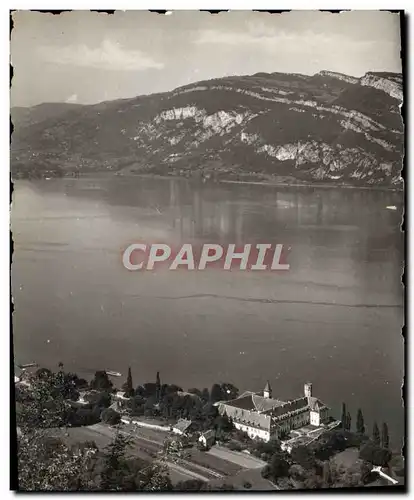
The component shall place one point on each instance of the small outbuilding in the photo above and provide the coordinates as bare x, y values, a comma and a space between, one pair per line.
208, 438
182, 427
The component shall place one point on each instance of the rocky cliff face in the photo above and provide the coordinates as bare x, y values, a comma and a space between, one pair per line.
391, 84
277, 127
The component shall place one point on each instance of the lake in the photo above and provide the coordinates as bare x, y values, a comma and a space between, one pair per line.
334, 318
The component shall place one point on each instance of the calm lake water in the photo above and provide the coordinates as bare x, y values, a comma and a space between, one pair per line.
335, 318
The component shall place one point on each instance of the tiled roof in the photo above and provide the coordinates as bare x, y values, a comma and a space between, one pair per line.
243, 402
182, 425
254, 402
209, 434
290, 406
247, 416
265, 404
316, 404
247, 393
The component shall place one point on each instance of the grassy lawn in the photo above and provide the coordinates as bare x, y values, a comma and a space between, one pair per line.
347, 458
206, 460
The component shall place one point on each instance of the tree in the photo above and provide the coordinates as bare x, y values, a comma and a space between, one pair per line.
216, 393
223, 423
101, 382
115, 475
173, 447
128, 386
43, 372
313, 482
327, 475
375, 455
304, 457
385, 440
84, 416
46, 404
189, 485
329, 444
278, 466
360, 426
376, 434
148, 389
169, 389
348, 422
149, 405
100, 399
158, 387
110, 416
229, 391
205, 395
344, 416
49, 465
266, 450
65, 386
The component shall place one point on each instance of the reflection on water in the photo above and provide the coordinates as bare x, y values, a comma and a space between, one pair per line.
197, 327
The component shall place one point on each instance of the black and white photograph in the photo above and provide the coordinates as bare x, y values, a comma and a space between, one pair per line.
208, 249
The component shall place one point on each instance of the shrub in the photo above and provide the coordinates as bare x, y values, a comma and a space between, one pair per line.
190, 485
400, 472
375, 454
84, 416
101, 399
265, 450
279, 467
304, 457
235, 446
110, 416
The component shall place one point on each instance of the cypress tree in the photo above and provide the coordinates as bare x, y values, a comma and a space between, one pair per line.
129, 386
385, 439
348, 422
158, 387
344, 416
376, 434
360, 426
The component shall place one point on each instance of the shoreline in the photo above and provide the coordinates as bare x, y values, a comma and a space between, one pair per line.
274, 184
266, 183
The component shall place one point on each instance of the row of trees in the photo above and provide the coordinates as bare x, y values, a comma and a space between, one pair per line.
219, 392
156, 390
151, 399
380, 439
101, 382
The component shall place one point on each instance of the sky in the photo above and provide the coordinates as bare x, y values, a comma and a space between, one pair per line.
87, 57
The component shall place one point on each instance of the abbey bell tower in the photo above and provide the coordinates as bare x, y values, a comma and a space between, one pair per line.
267, 391
307, 388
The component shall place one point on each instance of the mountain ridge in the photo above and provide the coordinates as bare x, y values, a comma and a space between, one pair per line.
326, 127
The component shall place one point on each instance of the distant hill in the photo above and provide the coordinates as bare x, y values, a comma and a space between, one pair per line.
22, 117
326, 128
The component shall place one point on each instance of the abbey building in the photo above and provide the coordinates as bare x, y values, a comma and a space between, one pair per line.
263, 417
